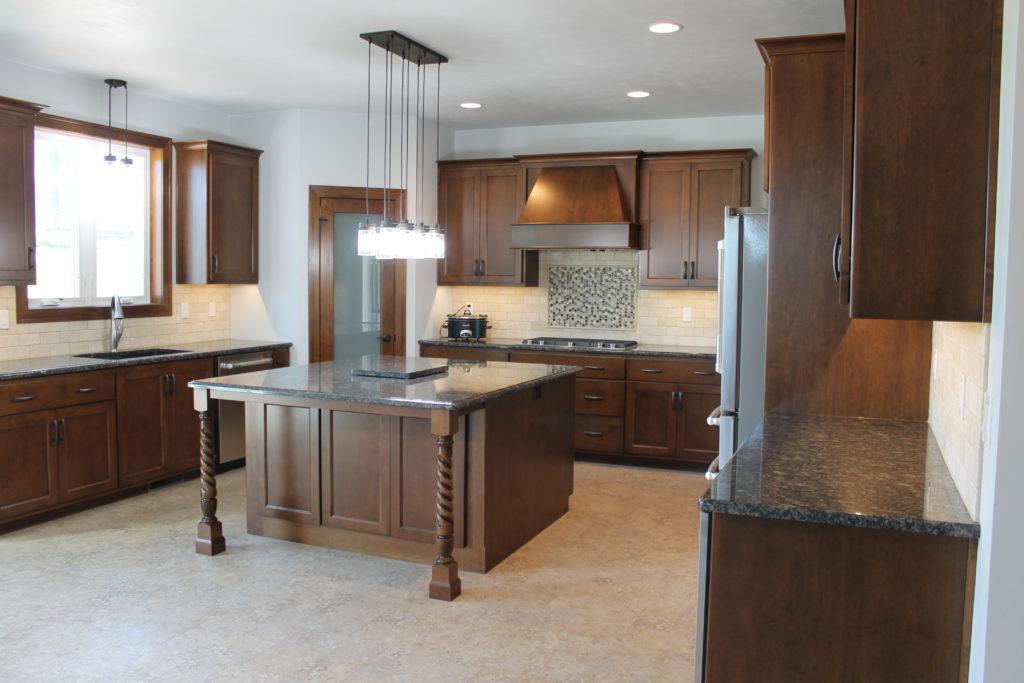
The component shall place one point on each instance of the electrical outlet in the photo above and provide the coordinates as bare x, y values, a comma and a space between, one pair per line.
963, 396
469, 307
213, 309
687, 315
184, 309
5, 320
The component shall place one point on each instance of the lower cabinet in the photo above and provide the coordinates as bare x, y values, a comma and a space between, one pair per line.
87, 451
670, 421
159, 433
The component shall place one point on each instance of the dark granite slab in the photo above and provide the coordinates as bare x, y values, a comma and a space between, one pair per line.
59, 365
466, 384
518, 345
880, 474
399, 367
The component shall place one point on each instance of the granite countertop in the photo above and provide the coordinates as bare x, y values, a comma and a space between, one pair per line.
466, 384
57, 365
881, 474
518, 345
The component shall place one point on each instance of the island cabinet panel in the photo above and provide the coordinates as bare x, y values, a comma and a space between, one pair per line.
356, 467
28, 462
801, 601
282, 448
88, 450
922, 81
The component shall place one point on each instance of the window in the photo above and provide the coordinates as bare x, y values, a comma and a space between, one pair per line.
101, 229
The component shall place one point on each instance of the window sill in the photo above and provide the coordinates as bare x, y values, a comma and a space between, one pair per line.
56, 314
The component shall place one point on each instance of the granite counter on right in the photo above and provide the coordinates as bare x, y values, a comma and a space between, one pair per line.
835, 549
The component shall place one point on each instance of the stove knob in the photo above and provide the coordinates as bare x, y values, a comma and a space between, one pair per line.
599, 345
571, 343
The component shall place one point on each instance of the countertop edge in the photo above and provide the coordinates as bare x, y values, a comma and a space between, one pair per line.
641, 350
91, 365
799, 514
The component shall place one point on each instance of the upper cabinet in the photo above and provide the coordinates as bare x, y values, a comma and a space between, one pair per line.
477, 203
682, 201
17, 193
919, 168
217, 213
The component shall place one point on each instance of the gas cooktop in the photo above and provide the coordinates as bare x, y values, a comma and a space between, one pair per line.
583, 343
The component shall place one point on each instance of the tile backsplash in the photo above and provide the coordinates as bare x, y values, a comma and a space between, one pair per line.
34, 340
521, 312
959, 364
596, 297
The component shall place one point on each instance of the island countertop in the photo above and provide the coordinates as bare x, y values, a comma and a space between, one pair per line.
881, 474
465, 384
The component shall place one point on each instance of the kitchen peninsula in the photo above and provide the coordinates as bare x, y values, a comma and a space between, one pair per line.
473, 458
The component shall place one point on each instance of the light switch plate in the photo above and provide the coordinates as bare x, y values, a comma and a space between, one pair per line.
687, 315
5, 320
184, 309
213, 309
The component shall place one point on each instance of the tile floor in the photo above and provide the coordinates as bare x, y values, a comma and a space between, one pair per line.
117, 594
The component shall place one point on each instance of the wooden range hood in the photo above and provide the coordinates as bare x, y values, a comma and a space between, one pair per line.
576, 207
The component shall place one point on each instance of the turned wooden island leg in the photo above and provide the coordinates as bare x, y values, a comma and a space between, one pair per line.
210, 536
444, 580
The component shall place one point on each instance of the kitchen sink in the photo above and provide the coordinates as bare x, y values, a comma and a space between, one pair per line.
134, 353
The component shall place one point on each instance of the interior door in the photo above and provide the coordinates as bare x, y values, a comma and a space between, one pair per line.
357, 303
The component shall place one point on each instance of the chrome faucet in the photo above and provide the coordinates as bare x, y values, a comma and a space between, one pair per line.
116, 321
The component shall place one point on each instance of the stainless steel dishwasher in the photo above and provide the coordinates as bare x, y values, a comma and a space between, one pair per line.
231, 414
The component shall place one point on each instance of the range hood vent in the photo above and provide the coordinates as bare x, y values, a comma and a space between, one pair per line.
576, 207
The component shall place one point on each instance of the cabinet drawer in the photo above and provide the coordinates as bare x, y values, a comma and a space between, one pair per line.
22, 396
463, 353
599, 434
594, 366
691, 371
597, 397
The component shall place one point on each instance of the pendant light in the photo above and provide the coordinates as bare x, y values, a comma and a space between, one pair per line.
408, 237
113, 83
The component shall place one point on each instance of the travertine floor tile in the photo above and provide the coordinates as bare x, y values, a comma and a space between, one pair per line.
117, 594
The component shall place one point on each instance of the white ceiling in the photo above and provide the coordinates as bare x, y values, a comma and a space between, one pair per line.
529, 62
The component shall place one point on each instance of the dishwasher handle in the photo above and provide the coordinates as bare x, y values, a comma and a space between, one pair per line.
238, 365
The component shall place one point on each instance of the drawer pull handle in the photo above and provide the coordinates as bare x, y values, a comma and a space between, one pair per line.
653, 371
593, 367
593, 433
88, 390
22, 399
593, 397
702, 373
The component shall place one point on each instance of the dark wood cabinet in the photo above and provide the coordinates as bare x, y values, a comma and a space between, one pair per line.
478, 202
463, 353
922, 82
682, 198
666, 420
217, 213
17, 192
159, 427
818, 360
28, 461
87, 453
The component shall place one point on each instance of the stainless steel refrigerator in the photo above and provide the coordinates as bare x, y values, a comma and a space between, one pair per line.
740, 358
742, 309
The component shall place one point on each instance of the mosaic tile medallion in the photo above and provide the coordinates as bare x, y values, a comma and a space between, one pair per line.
592, 296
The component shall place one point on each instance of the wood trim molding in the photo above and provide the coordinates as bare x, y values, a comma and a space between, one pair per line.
799, 45
160, 283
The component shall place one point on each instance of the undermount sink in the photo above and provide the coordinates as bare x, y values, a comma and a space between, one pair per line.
134, 353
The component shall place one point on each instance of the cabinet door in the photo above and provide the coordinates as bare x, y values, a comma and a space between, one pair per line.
234, 218
665, 188
698, 441
183, 441
145, 426
17, 194
355, 463
28, 461
651, 419
88, 450
459, 211
499, 209
714, 185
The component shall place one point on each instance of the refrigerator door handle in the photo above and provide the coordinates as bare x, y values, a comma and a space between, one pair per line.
713, 470
716, 416
721, 305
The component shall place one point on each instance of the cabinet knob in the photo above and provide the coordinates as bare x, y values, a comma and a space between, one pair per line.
384, 338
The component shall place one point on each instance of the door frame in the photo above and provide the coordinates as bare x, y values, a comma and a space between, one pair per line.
321, 271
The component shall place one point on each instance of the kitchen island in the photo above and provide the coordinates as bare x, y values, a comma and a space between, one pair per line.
463, 466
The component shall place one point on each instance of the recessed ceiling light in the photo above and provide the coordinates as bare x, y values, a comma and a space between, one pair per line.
471, 105
664, 27
638, 93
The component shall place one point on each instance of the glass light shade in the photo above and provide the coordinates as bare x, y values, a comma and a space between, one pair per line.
405, 246
437, 241
387, 240
366, 242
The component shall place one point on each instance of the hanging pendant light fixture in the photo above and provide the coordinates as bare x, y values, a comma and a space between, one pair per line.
408, 237
113, 83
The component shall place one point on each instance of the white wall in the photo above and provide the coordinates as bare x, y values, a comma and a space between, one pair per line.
659, 135
996, 654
